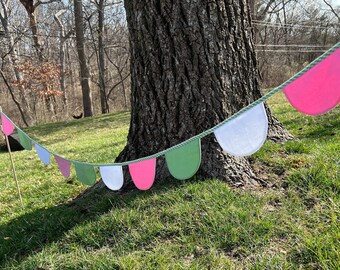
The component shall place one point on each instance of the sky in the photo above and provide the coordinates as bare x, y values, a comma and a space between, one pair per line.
336, 2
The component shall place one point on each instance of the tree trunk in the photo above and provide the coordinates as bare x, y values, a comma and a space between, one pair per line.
193, 65
30, 7
14, 60
62, 40
36, 37
84, 68
101, 57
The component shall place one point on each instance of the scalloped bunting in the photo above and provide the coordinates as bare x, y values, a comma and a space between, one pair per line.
25, 141
85, 173
143, 173
7, 125
43, 154
112, 176
318, 90
64, 166
245, 134
183, 162
314, 90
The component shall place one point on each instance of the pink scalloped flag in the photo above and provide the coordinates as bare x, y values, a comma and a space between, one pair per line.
143, 173
7, 125
318, 90
245, 134
64, 166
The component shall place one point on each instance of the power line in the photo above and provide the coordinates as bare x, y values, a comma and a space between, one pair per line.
286, 26
292, 45
292, 51
29, 35
291, 25
255, 22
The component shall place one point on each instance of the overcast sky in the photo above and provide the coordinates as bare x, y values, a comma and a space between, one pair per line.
336, 2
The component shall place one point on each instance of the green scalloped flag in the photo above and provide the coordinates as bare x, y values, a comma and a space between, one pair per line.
25, 141
85, 173
183, 162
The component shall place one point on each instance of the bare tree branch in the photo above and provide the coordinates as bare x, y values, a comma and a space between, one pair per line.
116, 84
264, 11
40, 2
332, 9
10, 90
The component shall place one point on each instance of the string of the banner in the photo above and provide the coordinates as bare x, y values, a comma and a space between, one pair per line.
208, 131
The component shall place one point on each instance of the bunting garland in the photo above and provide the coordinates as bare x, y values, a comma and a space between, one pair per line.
313, 91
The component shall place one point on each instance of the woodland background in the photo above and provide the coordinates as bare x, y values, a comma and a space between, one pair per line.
40, 77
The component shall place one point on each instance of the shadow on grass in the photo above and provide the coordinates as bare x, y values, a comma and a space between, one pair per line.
29, 233
315, 127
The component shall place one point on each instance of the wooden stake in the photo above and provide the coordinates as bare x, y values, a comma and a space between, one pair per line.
13, 168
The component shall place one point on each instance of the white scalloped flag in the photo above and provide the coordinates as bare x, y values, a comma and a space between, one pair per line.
245, 134
112, 176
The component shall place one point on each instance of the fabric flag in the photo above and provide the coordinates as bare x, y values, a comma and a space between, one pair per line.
183, 162
143, 173
112, 176
64, 166
245, 134
43, 154
85, 173
7, 126
318, 90
25, 141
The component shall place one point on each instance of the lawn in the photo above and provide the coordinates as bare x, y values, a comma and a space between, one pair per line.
194, 224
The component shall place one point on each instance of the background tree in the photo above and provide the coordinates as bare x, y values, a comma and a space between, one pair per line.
30, 7
101, 56
84, 68
193, 64
11, 53
55, 25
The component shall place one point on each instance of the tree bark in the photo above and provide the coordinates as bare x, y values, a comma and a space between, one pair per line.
62, 40
101, 57
31, 11
36, 37
193, 65
84, 68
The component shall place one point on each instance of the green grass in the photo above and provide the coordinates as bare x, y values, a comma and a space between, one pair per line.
194, 224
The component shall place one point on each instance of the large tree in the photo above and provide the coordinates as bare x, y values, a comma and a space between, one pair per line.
193, 64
